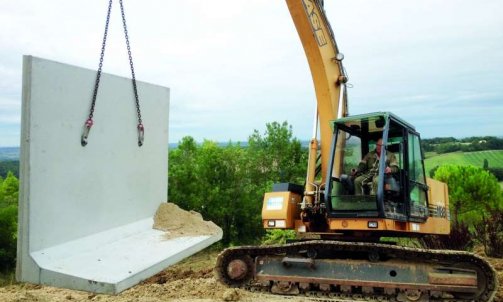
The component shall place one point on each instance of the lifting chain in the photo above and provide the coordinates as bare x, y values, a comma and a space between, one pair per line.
89, 122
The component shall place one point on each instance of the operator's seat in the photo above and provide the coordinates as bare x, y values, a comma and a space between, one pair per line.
393, 186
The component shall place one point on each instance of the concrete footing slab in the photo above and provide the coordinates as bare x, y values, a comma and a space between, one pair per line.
86, 213
112, 261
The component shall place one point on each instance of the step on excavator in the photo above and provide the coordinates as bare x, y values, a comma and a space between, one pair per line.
340, 219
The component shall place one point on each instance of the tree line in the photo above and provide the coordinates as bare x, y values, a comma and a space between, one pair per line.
226, 184
7, 166
470, 144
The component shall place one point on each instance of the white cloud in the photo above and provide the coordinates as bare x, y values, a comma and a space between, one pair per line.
240, 63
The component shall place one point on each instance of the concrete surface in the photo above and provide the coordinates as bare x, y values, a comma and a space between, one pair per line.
112, 261
79, 204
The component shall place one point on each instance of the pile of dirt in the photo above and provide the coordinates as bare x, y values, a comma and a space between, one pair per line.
178, 223
177, 273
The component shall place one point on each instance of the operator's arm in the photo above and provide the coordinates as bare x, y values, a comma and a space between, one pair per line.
362, 166
392, 162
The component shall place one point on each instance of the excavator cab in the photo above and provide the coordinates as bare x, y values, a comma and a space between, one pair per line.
402, 195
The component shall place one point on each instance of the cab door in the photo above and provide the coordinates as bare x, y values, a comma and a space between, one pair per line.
417, 188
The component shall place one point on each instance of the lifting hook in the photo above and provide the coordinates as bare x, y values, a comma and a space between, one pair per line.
85, 133
141, 134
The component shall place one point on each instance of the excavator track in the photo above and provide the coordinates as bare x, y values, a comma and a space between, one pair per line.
324, 270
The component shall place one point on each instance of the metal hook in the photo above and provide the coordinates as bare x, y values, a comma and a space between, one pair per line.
141, 134
85, 133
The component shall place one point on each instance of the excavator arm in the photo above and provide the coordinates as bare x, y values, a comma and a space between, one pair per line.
329, 77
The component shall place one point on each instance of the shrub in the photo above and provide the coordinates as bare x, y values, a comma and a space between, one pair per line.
459, 239
498, 172
277, 236
433, 170
8, 237
490, 233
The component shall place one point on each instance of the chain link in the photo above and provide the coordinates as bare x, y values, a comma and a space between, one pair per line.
135, 89
89, 122
100, 66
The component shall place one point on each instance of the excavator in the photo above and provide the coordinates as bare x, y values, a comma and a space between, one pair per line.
339, 252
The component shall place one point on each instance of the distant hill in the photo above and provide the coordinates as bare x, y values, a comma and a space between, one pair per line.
9, 153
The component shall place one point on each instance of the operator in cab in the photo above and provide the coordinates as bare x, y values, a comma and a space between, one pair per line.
368, 169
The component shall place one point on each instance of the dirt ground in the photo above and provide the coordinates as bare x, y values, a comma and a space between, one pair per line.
187, 281
190, 280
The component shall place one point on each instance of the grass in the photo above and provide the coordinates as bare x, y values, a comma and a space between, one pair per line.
7, 278
494, 158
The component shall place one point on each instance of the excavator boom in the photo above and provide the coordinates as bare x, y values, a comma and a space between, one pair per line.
329, 77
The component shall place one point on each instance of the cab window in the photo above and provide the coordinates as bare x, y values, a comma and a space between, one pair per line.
417, 180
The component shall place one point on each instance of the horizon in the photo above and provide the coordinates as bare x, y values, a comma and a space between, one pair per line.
301, 140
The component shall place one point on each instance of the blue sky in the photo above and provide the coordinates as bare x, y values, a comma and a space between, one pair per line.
234, 65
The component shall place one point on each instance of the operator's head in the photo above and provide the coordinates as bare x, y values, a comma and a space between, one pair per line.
379, 146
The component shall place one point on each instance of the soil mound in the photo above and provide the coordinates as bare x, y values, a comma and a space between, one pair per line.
178, 223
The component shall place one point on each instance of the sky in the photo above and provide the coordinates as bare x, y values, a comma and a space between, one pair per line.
234, 65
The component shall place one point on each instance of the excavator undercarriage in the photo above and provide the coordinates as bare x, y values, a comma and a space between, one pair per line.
358, 271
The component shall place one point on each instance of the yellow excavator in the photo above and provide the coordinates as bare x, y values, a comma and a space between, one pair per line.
339, 253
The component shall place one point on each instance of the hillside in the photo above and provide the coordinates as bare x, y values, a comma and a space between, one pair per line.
9, 153
494, 157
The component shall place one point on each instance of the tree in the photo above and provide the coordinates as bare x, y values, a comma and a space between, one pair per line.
489, 231
214, 181
9, 189
433, 170
276, 155
227, 184
182, 174
486, 164
8, 237
473, 192
7, 166
474, 195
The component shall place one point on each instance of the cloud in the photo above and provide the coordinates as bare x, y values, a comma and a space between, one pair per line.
234, 65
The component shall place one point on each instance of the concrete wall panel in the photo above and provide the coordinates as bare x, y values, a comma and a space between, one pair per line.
69, 192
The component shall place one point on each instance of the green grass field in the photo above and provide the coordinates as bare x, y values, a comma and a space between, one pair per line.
494, 157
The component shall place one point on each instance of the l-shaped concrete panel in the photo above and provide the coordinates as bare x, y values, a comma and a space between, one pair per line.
86, 213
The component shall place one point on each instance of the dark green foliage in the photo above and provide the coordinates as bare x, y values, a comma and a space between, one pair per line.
489, 231
470, 144
276, 155
478, 143
476, 204
226, 184
460, 239
432, 171
7, 166
497, 172
447, 148
428, 144
486, 164
9, 188
473, 192
8, 235
278, 236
